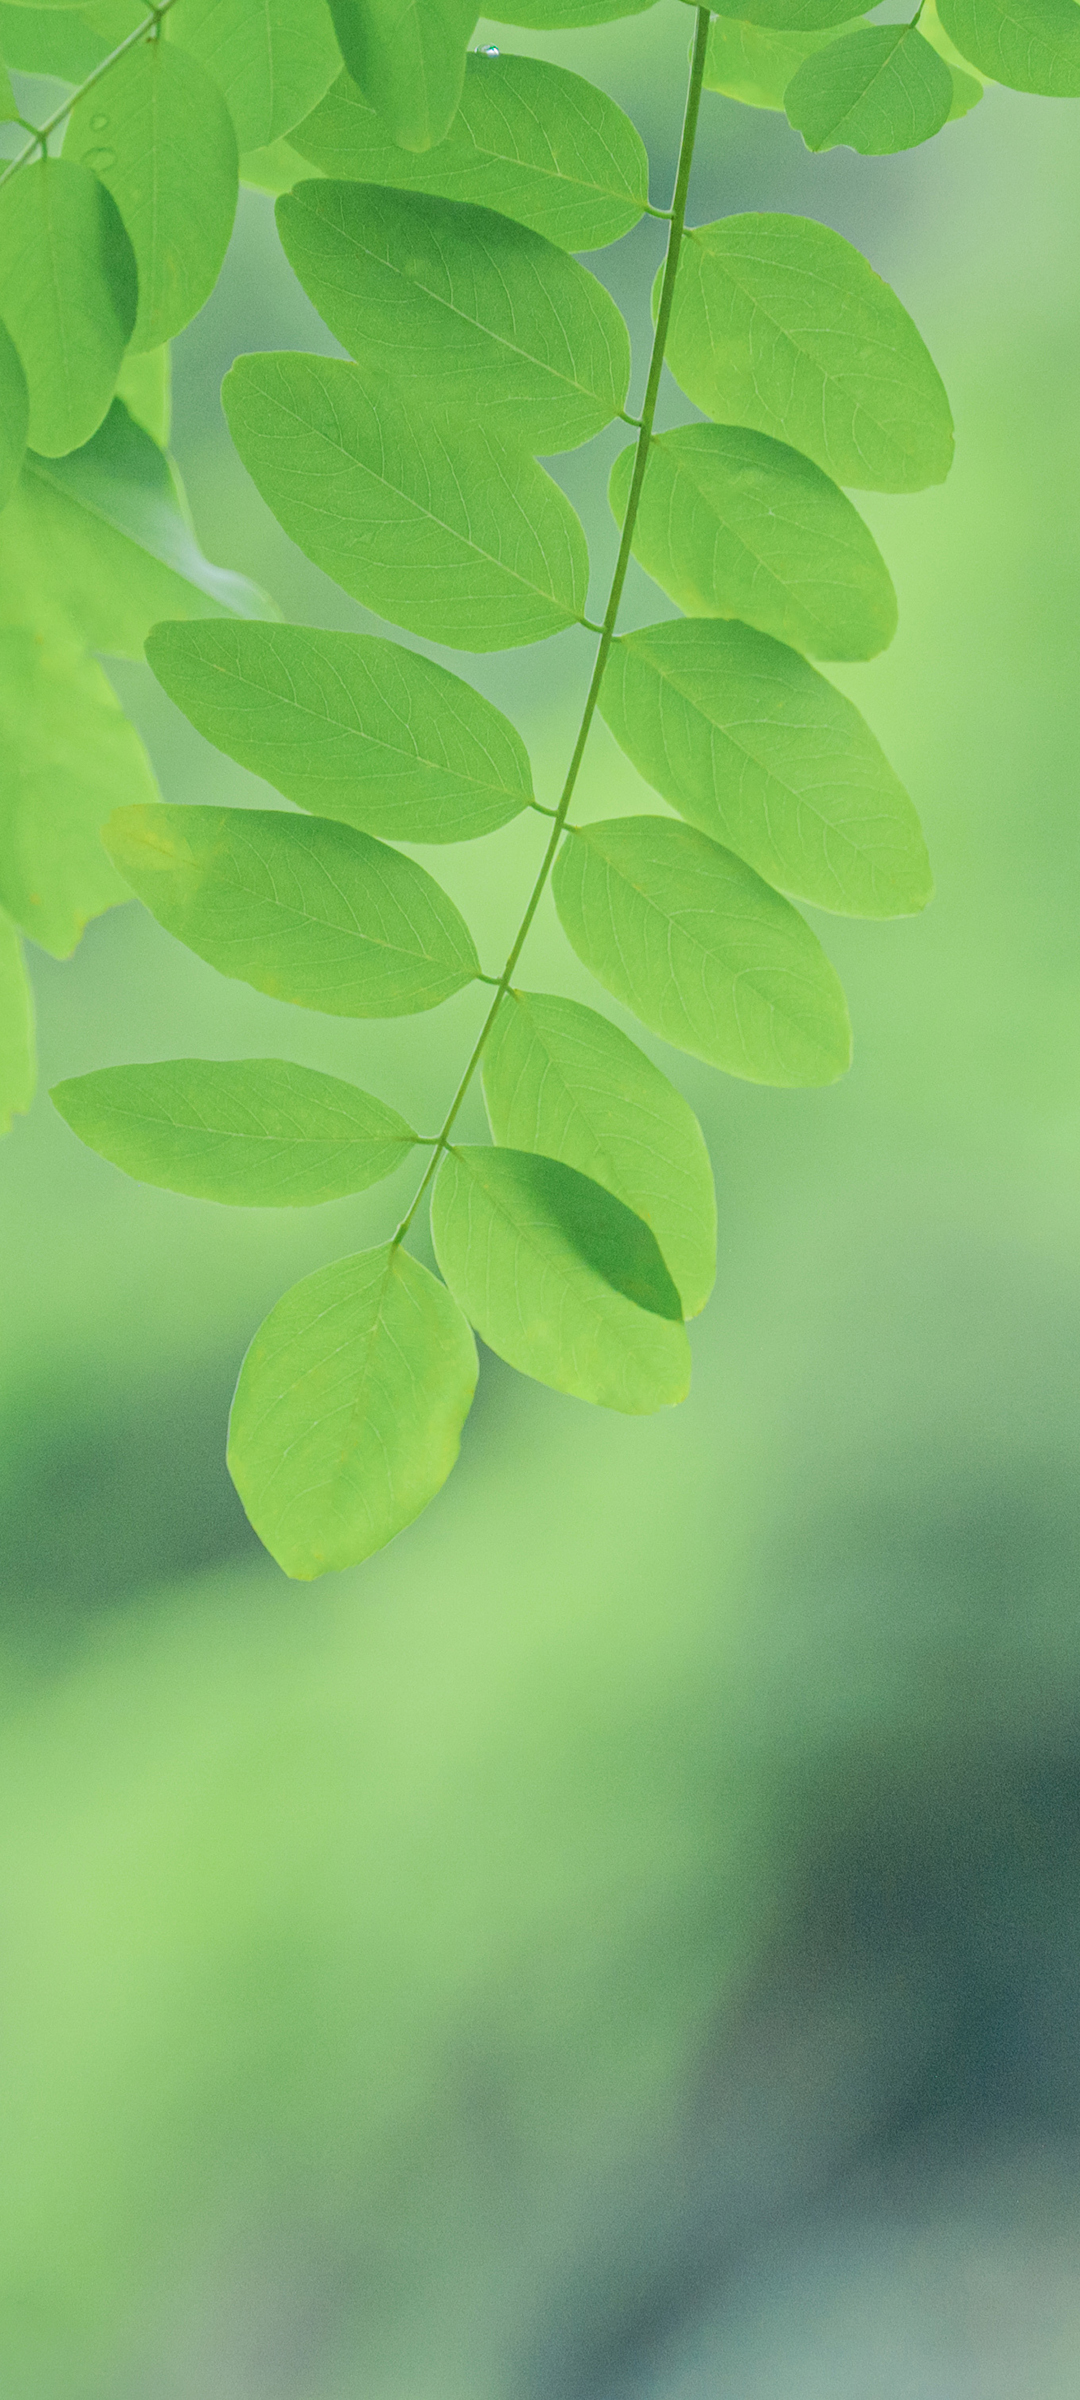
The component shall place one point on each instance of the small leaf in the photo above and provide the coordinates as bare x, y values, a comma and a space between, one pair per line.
349, 726
702, 950
431, 521
14, 413
253, 1132
755, 63
157, 134
878, 90
303, 908
754, 746
560, 1080
69, 755
348, 1413
461, 305
272, 59
1030, 45
144, 384
529, 139
560, 1279
408, 57
67, 296
780, 324
733, 524
792, 16
17, 1063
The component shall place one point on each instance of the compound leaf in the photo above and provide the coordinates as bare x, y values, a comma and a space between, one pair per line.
461, 305
751, 744
408, 57
733, 524
272, 59
702, 950
780, 324
560, 1080
531, 140
877, 90
348, 1412
560, 1279
1031, 45
755, 63
253, 1132
432, 521
302, 907
68, 295
17, 1063
349, 726
14, 415
69, 755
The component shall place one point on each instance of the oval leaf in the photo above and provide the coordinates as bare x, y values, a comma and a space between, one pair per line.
755, 63
305, 909
560, 1279
529, 139
348, 1412
780, 324
68, 296
272, 59
560, 1080
1031, 45
69, 755
14, 415
431, 521
461, 305
17, 1064
733, 524
255, 1132
755, 747
408, 57
878, 90
349, 726
702, 950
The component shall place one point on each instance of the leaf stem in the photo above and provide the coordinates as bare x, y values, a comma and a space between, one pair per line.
149, 25
611, 613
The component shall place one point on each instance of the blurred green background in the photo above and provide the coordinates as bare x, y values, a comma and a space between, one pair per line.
624, 1942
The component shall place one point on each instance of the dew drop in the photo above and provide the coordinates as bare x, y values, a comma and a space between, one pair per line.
99, 161
98, 124
488, 50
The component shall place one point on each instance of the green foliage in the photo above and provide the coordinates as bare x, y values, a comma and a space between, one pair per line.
755, 63
880, 89
69, 756
1033, 45
14, 416
270, 59
791, 16
68, 296
408, 57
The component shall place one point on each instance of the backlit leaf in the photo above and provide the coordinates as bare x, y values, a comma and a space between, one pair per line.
755, 63
144, 384
69, 756
303, 908
967, 86
274, 169
67, 296
791, 16
733, 524
563, 1081
348, 1413
254, 1132
877, 90
349, 726
1031, 45
17, 1065
14, 412
408, 57
461, 305
751, 744
558, 15
272, 59
433, 522
50, 41
560, 1279
702, 950
780, 324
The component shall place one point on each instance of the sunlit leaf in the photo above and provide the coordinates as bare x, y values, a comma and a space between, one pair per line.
144, 384
558, 15
69, 757
967, 87
1031, 45
755, 63
877, 90
791, 16
272, 59
408, 57
17, 1064
14, 413
274, 169
67, 296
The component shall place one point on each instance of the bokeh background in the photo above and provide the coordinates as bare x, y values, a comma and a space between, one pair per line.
624, 1942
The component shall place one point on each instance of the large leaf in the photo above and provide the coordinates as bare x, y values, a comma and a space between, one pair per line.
461, 305
754, 746
560, 1279
560, 1080
702, 950
733, 524
100, 542
68, 294
529, 139
272, 59
780, 324
156, 132
17, 1064
303, 908
408, 56
69, 756
348, 1413
1031, 45
755, 63
433, 522
349, 726
14, 414
878, 90
255, 1132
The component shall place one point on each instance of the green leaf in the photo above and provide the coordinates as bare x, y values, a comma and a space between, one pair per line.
17, 1063
703, 951
14, 413
408, 57
67, 296
780, 324
433, 522
560, 1080
755, 63
461, 305
349, 726
733, 524
792, 16
560, 1279
274, 169
348, 1413
69, 756
50, 41
272, 59
9, 106
967, 88
529, 139
303, 908
1031, 45
100, 543
754, 746
253, 1132
878, 90
156, 132
558, 16
144, 384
